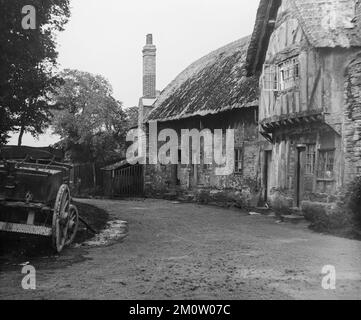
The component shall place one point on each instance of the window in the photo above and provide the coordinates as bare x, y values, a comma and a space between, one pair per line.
289, 73
238, 163
326, 164
310, 159
282, 76
270, 78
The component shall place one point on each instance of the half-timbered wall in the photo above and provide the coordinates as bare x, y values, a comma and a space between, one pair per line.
319, 87
286, 42
316, 115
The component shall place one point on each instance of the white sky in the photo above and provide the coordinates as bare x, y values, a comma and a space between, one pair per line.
107, 37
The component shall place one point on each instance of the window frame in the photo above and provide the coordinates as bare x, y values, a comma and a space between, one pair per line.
310, 160
291, 68
270, 71
274, 77
238, 160
324, 162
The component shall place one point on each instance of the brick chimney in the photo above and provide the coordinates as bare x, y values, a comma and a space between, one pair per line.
149, 69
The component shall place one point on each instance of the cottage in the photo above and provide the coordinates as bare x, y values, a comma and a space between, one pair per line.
213, 93
308, 53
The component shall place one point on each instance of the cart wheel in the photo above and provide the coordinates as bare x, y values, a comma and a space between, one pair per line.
72, 224
61, 218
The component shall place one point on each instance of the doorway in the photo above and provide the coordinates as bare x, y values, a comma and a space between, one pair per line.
299, 175
267, 176
176, 170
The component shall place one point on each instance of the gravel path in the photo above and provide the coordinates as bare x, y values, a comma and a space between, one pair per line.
188, 251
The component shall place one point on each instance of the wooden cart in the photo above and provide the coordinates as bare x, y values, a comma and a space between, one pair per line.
34, 195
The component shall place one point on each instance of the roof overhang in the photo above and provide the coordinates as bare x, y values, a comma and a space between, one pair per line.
301, 118
264, 26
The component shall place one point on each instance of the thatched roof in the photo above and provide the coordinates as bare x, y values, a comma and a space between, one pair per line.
258, 46
325, 23
213, 84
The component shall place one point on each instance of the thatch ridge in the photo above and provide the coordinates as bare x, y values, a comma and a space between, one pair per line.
213, 84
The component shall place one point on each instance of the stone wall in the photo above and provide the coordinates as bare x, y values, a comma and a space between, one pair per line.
352, 120
201, 184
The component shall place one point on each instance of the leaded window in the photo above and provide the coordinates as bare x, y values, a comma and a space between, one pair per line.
326, 159
282, 76
310, 159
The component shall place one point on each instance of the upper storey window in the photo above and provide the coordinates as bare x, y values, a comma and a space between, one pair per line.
289, 73
270, 80
282, 76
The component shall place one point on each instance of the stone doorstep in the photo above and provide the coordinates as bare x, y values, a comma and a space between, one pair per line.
267, 212
295, 217
263, 210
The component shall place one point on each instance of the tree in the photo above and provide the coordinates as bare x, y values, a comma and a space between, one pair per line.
4, 125
132, 116
27, 60
91, 123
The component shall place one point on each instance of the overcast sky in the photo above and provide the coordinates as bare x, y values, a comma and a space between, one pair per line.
107, 36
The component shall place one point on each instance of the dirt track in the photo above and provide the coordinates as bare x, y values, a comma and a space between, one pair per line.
187, 251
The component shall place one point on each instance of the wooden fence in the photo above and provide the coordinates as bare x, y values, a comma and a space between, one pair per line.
124, 182
82, 177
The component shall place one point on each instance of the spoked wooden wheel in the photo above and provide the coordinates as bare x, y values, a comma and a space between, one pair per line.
72, 224
61, 218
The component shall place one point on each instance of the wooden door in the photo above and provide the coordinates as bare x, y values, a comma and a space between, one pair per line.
299, 186
267, 179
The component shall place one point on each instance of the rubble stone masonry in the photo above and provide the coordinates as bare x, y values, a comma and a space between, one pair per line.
200, 184
352, 120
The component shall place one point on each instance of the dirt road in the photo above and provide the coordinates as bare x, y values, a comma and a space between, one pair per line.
187, 251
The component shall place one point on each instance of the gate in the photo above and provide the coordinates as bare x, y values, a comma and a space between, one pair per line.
128, 181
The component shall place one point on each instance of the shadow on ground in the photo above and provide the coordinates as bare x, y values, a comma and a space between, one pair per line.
18, 249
